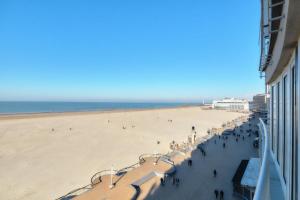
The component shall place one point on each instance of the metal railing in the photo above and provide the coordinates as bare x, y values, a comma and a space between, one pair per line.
142, 158
262, 191
96, 178
75, 192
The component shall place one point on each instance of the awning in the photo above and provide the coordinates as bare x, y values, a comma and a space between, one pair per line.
240, 172
251, 173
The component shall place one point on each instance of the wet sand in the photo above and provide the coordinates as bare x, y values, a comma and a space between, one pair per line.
44, 157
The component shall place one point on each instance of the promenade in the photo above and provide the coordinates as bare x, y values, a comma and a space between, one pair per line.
196, 181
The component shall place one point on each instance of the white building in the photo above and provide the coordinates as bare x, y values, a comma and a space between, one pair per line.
231, 104
279, 176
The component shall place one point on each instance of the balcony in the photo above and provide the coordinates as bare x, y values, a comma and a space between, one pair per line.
269, 181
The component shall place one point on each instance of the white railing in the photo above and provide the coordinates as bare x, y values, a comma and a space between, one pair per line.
262, 191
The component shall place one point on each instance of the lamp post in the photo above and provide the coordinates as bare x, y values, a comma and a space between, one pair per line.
111, 177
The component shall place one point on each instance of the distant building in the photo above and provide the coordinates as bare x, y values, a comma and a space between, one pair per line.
231, 104
259, 102
251, 106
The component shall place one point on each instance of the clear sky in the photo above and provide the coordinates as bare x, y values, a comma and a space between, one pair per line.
142, 50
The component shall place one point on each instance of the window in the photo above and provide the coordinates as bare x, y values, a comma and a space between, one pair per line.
284, 104
272, 116
278, 121
294, 135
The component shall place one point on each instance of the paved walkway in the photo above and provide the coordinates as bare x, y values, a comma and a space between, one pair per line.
197, 181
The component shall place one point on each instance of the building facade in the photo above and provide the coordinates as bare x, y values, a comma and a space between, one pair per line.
231, 104
279, 64
259, 102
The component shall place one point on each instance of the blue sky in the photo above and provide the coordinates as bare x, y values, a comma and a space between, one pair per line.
158, 50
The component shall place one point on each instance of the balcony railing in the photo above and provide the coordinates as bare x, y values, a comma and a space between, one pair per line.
263, 183
269, 184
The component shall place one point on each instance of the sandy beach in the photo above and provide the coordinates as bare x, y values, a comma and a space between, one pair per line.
44, 157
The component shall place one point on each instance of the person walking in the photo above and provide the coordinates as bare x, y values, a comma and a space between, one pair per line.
162, 182
177, 182
224, 145
216, 194
221, 195
215, 173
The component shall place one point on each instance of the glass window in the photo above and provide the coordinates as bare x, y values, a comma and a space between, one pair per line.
294, 136
278, 121
272, 116
285, 101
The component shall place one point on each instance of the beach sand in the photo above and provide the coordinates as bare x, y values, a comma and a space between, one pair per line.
45, 157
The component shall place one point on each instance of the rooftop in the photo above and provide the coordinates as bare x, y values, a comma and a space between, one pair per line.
251, 173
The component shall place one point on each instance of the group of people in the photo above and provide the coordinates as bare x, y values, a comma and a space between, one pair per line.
237, 137
224, 138
202, 150
217, 192
175, 181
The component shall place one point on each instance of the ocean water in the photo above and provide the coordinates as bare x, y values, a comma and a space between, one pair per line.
56, 107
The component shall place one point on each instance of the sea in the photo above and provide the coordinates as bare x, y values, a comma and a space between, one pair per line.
22, 107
